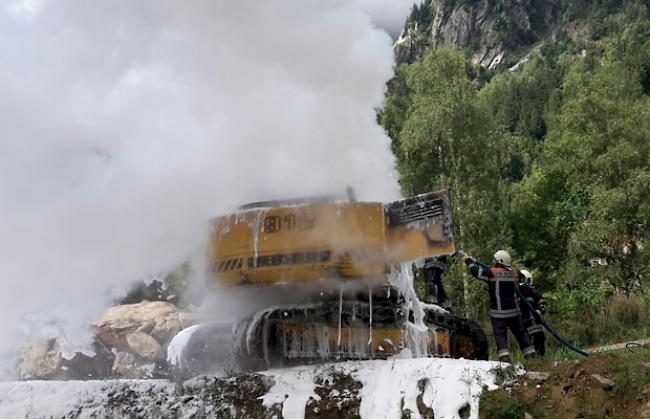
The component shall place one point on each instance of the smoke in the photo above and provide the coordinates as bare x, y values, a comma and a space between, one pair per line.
126, 125
389, 15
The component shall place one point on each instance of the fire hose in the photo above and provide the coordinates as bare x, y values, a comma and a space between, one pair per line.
550, 329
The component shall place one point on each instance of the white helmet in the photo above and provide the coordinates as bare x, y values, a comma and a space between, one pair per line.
503, 257
528, 277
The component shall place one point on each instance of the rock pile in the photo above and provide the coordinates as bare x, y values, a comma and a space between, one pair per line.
130, 342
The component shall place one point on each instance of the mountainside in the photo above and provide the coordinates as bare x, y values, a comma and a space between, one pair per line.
494, 32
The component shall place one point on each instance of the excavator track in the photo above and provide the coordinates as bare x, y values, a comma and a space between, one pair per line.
467, 340
330, 331
304, 335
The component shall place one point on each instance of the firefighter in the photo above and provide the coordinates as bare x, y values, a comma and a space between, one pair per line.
434, 268
502, 280
536, 300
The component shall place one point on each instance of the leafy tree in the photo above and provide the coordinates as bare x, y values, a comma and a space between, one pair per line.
517, 102
171, 287
446, 139
632, 48
596, 157
397, 104
551, 161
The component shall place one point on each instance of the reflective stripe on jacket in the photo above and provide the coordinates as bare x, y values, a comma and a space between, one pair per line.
502, 284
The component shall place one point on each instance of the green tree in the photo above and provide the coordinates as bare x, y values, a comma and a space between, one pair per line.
632, 48
446, 139
596, 157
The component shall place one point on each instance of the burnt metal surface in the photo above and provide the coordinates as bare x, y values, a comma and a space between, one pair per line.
420, 207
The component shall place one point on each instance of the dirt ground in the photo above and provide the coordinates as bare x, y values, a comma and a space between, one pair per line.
572, 392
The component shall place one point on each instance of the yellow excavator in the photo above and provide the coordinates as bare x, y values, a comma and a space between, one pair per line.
349, 264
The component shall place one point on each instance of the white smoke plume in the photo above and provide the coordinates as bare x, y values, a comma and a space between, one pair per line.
125, 125
388, 15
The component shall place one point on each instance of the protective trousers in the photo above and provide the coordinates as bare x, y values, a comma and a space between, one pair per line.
539, 342
500, 327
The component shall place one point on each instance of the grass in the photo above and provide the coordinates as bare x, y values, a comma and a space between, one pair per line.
554, 352
628, 373
618, 319
499, 405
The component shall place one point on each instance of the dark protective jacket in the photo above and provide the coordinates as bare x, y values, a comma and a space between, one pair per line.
502, 283
537, 301
434, 268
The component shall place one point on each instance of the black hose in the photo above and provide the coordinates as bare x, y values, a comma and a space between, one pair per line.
631, 345
549, 328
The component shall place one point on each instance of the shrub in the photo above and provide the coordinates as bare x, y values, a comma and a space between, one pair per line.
499, 405
616, 318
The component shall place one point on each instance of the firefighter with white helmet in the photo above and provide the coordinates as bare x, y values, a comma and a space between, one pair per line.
503, 257
502, 280
537, 301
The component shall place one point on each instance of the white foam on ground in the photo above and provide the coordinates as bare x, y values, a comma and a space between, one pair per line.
57, 399
450, 384
293, 387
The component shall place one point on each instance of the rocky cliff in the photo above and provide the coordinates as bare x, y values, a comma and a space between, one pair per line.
490, 30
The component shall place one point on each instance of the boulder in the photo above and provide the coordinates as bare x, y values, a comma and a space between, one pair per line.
131, 341
139, 335
40, 360
160, 319
44, 360
126, 365
144, 346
